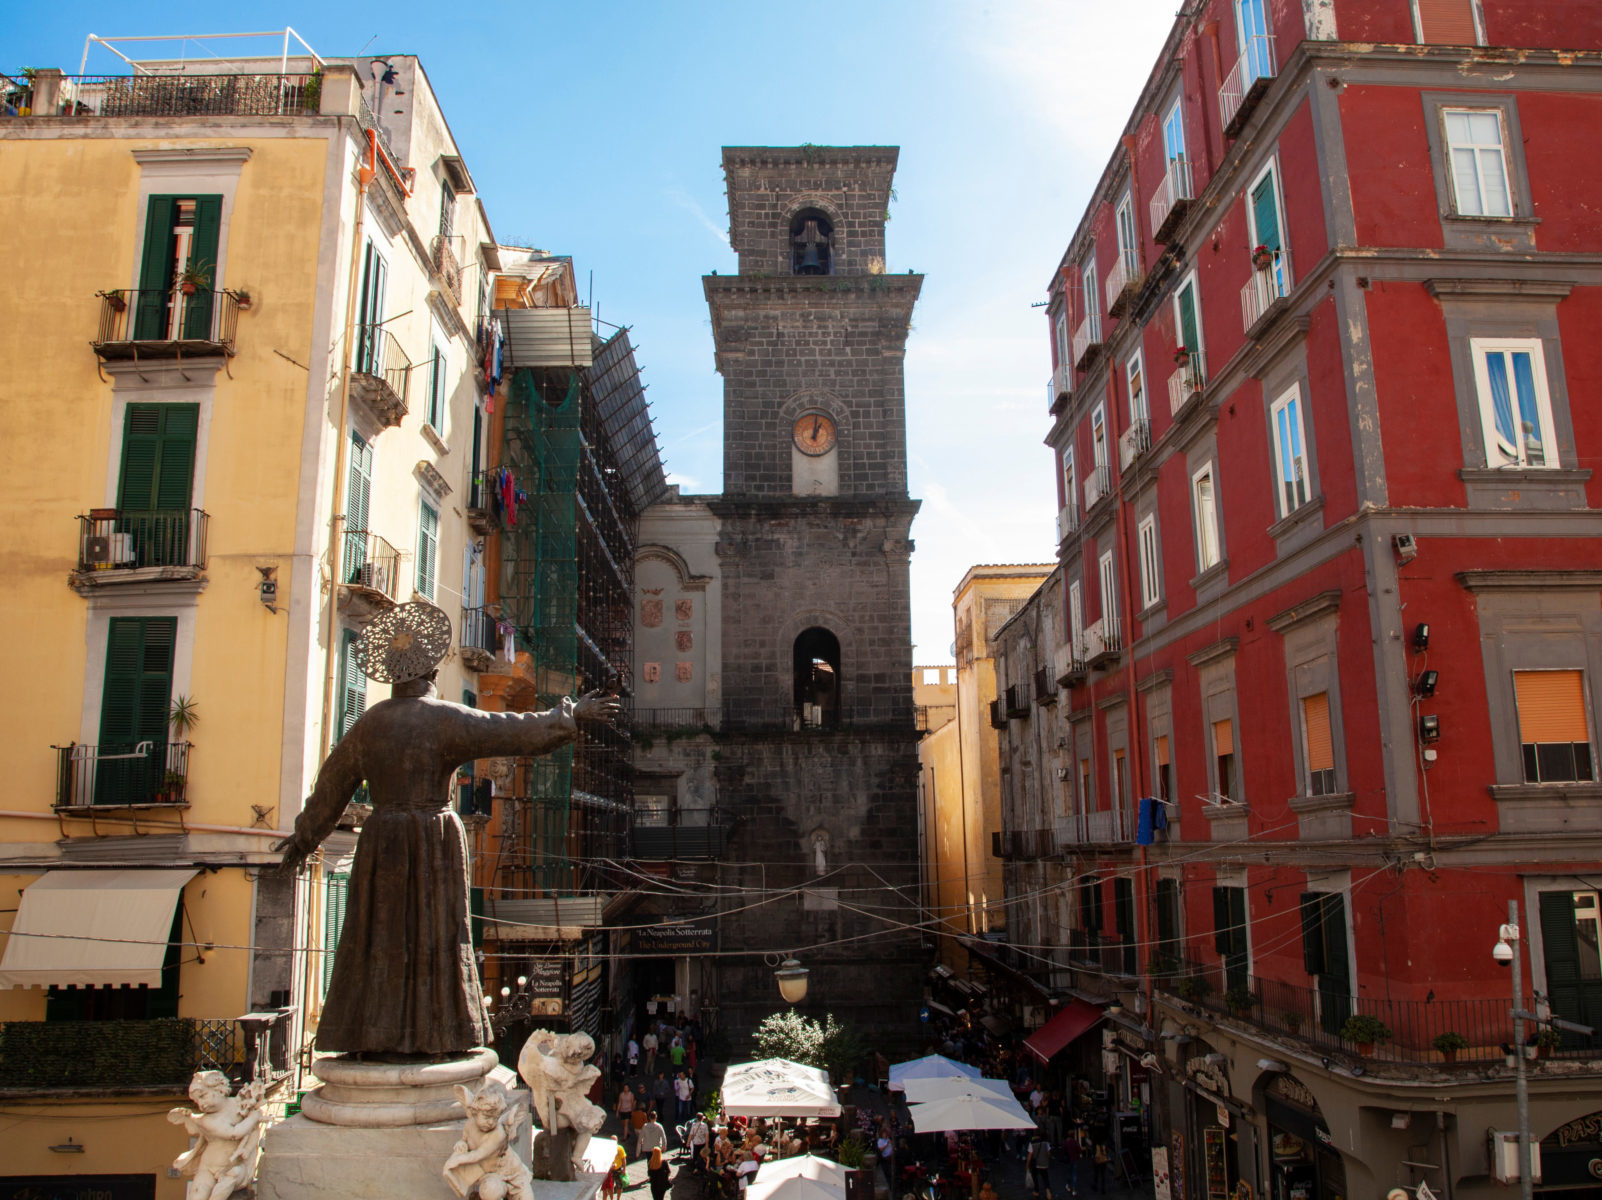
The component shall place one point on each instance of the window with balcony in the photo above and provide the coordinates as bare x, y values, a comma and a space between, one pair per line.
1167, 951
1189, 354
1204, 506
1478, 161
1109, 598
1098, 436
1571, 944
1087, 790
1076, 619
1554, 732
427, 548
1449, 22
1292, 473
1150, 577
153, 523
178, 269
1087, 338
1515, 405
1124, 918
1325, 956
1126, 273
370, 312
1063, 345
1230, 937
1173, 192
435, 413
1271, 277
131, 762
1224, 758
1163, 775
1070, 492
1174, 131
1135, 374
1319, 744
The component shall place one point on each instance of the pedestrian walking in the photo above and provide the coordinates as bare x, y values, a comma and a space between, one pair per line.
652, 1135
1099, 1159
625, 1109
648, 1044
618, 1177
1038, 1161
1074, 1152
633, 1053
660, 1175
683, 1089
662, 1093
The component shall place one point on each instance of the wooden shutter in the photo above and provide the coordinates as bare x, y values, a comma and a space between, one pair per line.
1124, 909
1446, 22
1265, 213
1333, 928
158, 457
1313, 932
1561, 949
203, 254
353, 699
155, 270
1315, 718
1221, 931
1551, 706
1223, 739
337, 895
1187, 319
1162, 751
427, 548
138, 687
1167, 913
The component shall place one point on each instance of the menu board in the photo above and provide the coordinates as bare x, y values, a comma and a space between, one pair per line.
1159, 1173
1217, 1169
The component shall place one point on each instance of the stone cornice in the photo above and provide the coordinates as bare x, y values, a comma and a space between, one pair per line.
1500, 289
1219, 649
1307, 610
1156, 679
1530, 581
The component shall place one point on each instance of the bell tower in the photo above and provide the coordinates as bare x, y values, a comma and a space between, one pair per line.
818, 761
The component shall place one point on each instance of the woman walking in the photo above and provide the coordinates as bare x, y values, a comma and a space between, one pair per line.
660, 1175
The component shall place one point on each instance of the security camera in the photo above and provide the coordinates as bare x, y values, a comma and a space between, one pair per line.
1503, 954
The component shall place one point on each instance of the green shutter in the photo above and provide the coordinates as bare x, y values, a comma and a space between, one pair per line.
203, 253
1187, 319
1221, 920
1265, 213
1313, 932
337, 892
155, 270
134, 703
358, 490
427, 549
353, 689
1561, 948
158, 457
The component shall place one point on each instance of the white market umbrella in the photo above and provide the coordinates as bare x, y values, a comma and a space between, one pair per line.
931, 1066
599, 1153
978, 1110
776, 1087
805, 1177
921, 1091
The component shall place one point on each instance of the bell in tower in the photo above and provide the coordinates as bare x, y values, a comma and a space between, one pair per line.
809, 244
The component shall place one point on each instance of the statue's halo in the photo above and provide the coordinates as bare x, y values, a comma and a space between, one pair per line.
407, 642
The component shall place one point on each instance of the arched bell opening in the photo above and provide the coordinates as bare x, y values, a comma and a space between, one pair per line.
811, 243
817, 679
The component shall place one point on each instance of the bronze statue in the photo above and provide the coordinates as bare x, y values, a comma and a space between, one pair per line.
405, 980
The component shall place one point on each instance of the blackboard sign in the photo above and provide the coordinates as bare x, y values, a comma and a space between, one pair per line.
547, 978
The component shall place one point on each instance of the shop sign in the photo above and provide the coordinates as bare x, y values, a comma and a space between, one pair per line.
1159, 1173
688, 937
1581, 1129
1132, 1040
1205, 1073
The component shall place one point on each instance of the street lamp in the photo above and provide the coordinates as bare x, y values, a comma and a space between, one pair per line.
792, 979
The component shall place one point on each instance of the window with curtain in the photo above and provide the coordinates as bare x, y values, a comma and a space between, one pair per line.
1320, 747
1478, 162
1291, 470
1164, 772
1224, 757
1137, 389
1205, 505
1554, 734
1515, 407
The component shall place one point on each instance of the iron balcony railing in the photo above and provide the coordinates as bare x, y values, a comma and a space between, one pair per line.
448, 252
117, 539
1060, 387
1098, 484
678, 841
1122, 279
1104, 952
1269, 282
674, 718
382, 366
369, 124
1246, 81
16, 96
160, 1053
1171, 198
371, 562
186, 96
480, 630
1409, 1029
1185, 382
1067, 520
121, 774
158, 322
1106, 827
1134, 441
1087, 338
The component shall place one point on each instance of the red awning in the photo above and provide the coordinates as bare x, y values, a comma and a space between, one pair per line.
1063, 1028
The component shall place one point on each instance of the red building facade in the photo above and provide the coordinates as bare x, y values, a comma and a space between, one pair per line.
1325, 343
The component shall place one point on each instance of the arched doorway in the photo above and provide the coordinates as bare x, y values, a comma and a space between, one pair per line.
817, 679
1302, 1161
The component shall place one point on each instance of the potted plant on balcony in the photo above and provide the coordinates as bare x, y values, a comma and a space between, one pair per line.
1182, 356
1262, 257
115, 300
1241, 999
1365, 1029
1449, 1043
1546, 1041
194, 275
1292, 1020
1193, 988
183, 716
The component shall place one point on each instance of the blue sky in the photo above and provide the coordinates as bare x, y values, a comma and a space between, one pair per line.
595, 130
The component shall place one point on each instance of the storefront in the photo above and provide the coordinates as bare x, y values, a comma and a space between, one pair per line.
1222, 1142
1571, 1160
1302, 1161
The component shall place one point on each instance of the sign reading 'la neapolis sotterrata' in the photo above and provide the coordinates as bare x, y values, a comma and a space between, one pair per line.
685, 937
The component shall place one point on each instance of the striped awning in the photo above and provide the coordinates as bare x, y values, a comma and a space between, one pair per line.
92, 929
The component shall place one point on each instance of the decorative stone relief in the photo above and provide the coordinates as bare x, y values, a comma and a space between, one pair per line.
483, 1160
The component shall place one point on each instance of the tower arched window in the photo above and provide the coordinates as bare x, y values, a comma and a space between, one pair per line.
817, 679
811, 244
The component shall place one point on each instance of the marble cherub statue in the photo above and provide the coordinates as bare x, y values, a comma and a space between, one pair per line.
484, 1156
227, 1130
557, 1069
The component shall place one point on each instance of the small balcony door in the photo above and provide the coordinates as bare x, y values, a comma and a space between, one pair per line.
134, 705
370, 314
1251, 29
180, 232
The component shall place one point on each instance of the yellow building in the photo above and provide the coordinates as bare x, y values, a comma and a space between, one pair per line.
242, 346
961, 794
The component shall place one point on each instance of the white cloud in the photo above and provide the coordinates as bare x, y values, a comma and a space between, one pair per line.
688, 202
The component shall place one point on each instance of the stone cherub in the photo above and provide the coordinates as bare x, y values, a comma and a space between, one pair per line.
227, 1130
483, 1157
557, 1069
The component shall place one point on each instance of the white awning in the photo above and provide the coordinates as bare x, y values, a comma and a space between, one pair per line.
92, 929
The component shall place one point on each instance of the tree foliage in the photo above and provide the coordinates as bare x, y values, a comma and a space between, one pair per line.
834, 1046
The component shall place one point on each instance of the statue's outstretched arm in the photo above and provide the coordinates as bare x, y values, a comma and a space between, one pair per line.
337, 781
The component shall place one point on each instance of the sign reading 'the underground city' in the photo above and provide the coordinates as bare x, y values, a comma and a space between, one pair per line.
679, 937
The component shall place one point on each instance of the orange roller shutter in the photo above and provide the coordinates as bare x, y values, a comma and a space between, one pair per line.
1551, 706
1162, 751
1315, 713
1447, 22
1223, 737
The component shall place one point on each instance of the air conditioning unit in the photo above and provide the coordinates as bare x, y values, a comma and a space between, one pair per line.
97, 551
1505, 1157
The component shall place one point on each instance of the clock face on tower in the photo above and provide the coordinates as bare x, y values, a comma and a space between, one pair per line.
814, 434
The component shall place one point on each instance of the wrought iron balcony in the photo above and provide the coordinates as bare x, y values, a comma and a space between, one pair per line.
1123, 281
128, 545
1173, 197
1017, 700
1067, 520
1245, 84
1059, 389
675, 718
1087, 338
1110, 826
1134, 442
1098, 486
175, 96
147, 774
483, 510
157, 323
480, 638
371, 568
380, 374
136, 1055
448, 251
1269, 283
1103, 641
1186, 383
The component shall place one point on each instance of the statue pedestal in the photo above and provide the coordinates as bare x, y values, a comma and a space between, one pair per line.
382, 1131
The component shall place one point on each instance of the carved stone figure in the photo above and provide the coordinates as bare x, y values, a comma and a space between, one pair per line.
227, 1130
557, 1069
405, 980
483, 1158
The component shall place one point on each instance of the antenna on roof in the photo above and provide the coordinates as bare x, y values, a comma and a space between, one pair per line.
366, 44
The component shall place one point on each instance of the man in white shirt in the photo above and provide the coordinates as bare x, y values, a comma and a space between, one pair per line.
652, 1136
648, 1044
683, 1089
698, 1137
633, 1056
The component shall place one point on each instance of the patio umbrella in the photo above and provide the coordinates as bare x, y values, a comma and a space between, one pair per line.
599, 1153
804, 1177
932, 1066
920, 1091
977, 1110
776, 1087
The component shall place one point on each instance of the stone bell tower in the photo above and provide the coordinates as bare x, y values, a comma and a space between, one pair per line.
818, 762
